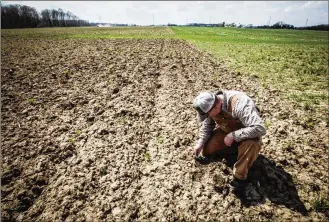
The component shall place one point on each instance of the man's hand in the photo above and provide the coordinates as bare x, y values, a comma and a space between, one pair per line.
197, 149
228, 140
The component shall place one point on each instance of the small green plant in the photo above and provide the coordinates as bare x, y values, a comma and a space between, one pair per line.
78, 132
147, 157
308, 106
321, 204
31, 100
110, 82
265, 85
71, 140
308, 122
214, 77
267, 124
66, 71
159, 139
289, 146
122, 119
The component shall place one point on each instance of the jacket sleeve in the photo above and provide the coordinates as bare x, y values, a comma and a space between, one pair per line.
206, 129
248, 115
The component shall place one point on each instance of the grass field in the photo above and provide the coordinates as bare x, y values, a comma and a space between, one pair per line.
292, 61
92, 32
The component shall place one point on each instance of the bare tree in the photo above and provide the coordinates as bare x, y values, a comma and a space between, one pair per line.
21, 16
17, 16
46, 18
61, 15
54, 17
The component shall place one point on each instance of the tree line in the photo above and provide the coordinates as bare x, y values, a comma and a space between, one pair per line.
277, 25
22, 16
282, 25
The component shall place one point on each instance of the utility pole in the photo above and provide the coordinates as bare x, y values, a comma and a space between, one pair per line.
306, 22
209, 18
269, 23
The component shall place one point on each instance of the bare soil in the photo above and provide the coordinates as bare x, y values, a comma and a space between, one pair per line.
97, 130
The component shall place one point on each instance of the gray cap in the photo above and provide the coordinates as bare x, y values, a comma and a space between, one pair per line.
203, 103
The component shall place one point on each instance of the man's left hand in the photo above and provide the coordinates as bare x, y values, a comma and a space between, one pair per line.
228, 140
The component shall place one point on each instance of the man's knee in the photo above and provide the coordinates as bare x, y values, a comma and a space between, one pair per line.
250, 147
215, 143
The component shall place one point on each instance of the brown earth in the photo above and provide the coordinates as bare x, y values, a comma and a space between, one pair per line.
104, 130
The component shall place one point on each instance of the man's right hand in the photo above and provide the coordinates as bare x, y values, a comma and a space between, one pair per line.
197, 149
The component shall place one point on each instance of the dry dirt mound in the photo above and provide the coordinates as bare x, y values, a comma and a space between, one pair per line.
102, 130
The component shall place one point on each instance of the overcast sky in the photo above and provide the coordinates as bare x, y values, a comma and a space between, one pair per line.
182, 12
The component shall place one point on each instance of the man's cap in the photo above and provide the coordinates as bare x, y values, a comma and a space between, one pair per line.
203, 103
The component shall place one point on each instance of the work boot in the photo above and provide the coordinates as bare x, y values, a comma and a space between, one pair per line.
237, 185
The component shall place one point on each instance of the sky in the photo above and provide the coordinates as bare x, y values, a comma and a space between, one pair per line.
296, 13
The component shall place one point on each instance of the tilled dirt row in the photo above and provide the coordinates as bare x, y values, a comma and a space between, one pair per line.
103, 130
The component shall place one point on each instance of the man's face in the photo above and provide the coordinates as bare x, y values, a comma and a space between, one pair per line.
216, 109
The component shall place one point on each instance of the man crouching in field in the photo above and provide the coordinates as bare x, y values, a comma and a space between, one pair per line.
230, 119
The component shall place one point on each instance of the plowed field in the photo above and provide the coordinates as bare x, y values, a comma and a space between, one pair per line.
97, 130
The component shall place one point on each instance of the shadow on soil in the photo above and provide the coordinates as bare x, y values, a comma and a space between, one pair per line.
266, 181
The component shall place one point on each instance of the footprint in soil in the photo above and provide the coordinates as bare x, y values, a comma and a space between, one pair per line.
265, 181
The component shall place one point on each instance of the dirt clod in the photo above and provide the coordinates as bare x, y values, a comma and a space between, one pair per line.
115, 90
